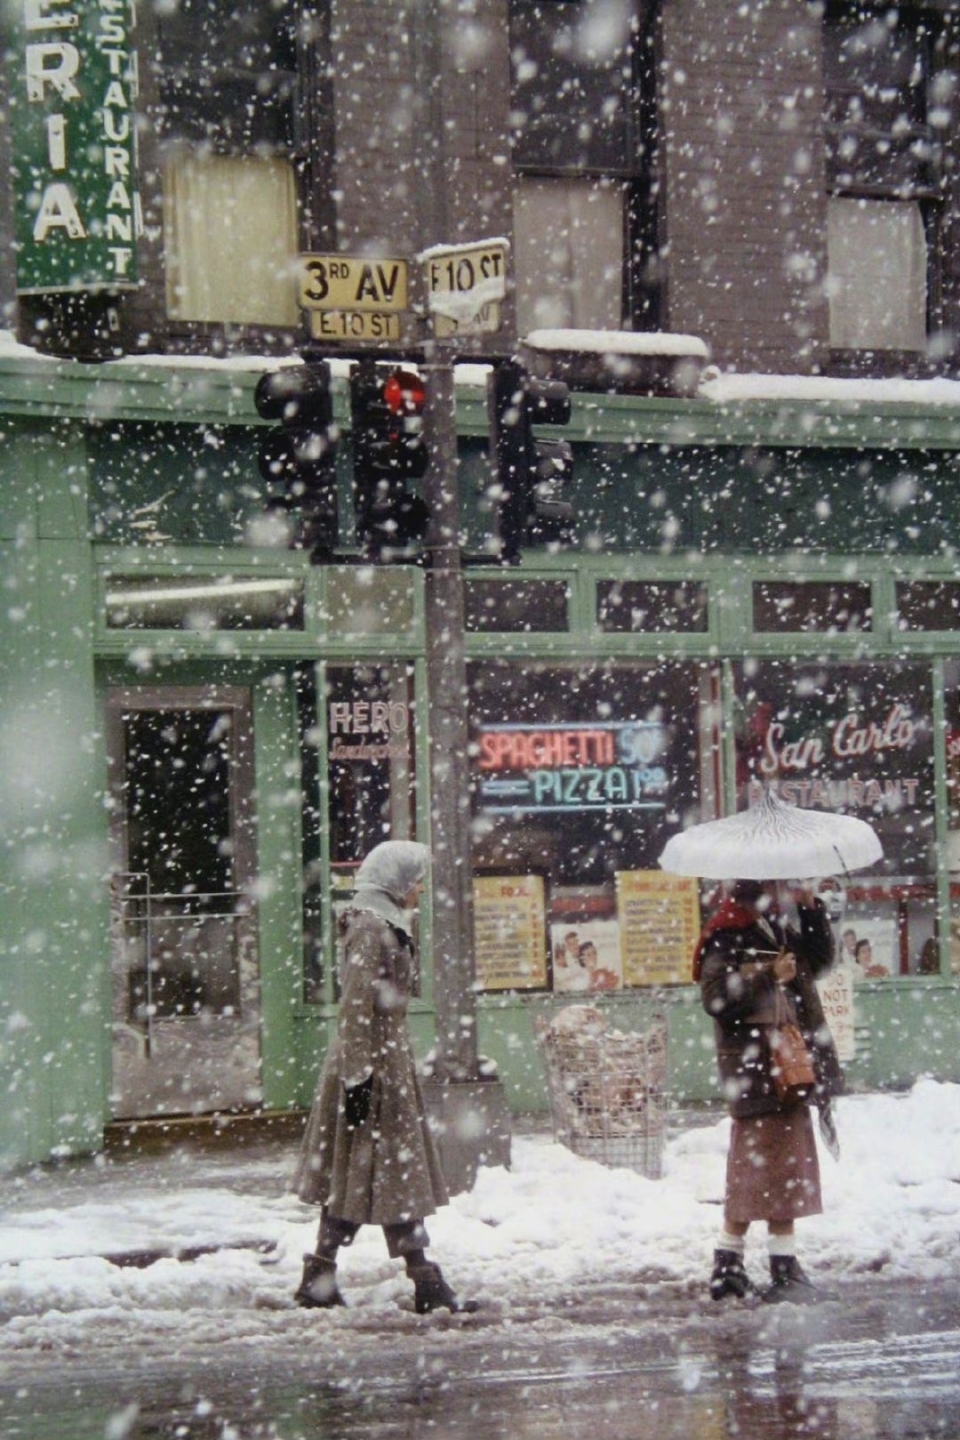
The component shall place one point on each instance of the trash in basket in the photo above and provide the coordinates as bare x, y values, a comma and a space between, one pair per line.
606, 1088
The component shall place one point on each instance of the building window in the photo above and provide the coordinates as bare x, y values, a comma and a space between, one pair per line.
824, 607
223, 88
516, 607
652, 606
887, 112
853, 739
928, 605
583, 127
363, 717
580, 774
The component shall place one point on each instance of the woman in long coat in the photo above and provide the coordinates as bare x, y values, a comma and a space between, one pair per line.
368, 1157
755, 972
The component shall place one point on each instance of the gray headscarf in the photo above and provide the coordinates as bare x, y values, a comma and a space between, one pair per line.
387, 876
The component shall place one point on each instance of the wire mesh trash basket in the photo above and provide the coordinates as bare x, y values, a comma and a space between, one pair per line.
606, 1088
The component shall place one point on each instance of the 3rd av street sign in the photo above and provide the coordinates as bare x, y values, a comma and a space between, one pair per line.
348, 298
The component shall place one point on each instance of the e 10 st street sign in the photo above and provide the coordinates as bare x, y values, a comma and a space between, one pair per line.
73, 86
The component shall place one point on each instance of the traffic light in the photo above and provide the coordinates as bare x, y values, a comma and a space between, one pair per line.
386, 410
298, 457
532, 473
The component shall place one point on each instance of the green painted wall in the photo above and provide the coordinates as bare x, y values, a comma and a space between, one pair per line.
54, 983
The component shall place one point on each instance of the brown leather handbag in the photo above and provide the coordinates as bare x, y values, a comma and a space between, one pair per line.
791, 1064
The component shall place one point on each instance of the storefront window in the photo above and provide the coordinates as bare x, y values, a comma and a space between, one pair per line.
580, 775
856, 739
365, 718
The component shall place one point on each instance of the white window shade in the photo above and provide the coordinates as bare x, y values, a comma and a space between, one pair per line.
568, 247
230, 226
877, 275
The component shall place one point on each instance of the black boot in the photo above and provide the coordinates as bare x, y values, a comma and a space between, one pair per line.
430, 1290
318, 1285
788, 1281
729, 1275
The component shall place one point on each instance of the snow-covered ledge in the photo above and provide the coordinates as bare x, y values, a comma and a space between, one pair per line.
731, 389
626, 362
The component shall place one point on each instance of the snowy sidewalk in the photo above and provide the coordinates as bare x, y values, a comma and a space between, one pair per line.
229, 1235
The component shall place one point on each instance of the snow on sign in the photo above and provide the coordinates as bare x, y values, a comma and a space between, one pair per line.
351, 298
465, 285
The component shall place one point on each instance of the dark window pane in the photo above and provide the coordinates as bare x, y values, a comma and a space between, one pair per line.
572, 89
830, 607
877, 66
929, 605
178, 799
226, 73
516, 606
636, 606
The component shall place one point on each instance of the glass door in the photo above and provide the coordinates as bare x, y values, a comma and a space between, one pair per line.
185, 969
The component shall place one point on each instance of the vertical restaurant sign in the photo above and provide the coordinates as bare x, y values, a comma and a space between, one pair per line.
73, 88
582, 765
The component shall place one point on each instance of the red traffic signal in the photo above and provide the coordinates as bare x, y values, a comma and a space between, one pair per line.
386, 410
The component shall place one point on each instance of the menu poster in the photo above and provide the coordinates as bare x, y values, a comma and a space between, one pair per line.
510, 932
659, 926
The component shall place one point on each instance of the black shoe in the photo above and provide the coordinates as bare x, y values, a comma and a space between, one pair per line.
318, 1285
729, 1276
789, 1282
431, 1291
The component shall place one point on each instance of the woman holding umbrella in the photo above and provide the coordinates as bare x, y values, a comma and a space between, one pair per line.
756, 973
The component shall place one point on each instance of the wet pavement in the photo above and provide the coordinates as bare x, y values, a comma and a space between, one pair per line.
883, 1364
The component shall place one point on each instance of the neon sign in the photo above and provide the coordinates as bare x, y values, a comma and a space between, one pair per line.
577, 766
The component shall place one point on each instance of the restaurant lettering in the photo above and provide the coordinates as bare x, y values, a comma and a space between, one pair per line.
77, 209
848, 738
368, 730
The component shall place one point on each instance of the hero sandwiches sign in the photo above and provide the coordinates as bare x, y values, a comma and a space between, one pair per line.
73, 88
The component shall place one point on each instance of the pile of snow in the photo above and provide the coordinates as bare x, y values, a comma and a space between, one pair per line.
551, 1223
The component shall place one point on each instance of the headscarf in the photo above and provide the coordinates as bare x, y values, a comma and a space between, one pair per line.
387, 876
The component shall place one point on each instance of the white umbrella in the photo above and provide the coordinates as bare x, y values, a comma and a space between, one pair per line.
773, 841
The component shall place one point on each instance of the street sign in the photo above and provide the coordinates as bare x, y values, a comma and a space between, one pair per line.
465, 285
348, 325
352, 285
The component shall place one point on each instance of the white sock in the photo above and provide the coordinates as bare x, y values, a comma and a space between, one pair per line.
726, 1241
781, 1245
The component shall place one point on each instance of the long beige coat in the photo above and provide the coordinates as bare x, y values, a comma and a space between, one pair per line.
387, 1169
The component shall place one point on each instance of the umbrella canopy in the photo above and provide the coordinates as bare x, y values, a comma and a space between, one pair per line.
773, 841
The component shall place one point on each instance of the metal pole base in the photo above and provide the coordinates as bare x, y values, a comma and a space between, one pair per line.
470, 1121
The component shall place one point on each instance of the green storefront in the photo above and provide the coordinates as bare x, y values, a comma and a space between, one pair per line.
202, 734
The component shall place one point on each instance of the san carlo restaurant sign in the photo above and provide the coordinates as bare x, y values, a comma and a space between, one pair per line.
610, 765
72, 91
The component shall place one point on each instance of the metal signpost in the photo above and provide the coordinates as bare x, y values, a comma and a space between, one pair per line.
350, 299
